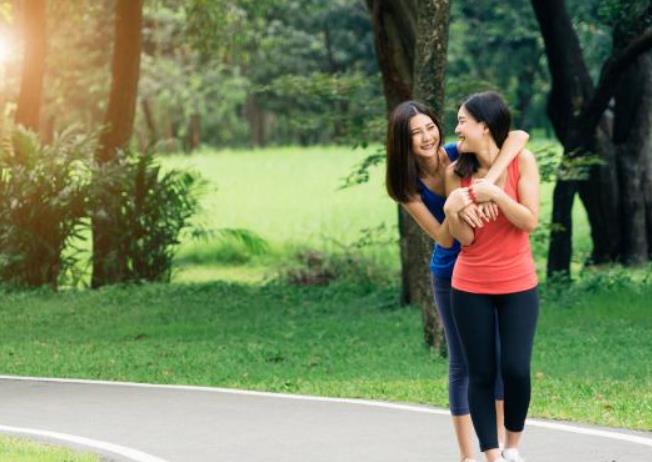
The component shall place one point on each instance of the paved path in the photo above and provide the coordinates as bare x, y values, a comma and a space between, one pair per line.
132, 422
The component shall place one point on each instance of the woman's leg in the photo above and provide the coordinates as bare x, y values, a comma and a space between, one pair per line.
475, 319
499, 394
457, 376
517, 320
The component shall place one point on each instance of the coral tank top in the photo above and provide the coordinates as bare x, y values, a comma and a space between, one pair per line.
499, 261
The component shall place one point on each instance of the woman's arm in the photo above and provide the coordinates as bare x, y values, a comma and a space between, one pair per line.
428, 223
523, 214
515, 143
455, 203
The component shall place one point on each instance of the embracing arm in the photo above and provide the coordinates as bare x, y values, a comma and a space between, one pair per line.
525, 213
428, 223
515, 143
455, 203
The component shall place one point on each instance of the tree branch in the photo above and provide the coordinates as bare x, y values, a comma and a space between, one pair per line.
611, 73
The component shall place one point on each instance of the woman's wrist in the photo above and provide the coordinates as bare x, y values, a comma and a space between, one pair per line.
499, 196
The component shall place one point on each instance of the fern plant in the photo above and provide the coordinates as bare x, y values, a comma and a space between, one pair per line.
43, 206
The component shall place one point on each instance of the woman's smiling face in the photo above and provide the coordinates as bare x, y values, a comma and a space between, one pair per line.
469, 131
425, 136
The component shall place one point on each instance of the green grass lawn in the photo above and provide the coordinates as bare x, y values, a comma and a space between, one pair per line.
290, 198
21, 450
591, 360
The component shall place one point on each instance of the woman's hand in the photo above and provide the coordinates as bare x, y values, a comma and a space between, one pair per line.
476, 215
473, 215
457, 201
490, 210
485, 191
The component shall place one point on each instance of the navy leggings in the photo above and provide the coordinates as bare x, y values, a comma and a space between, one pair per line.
458, 377
476, 316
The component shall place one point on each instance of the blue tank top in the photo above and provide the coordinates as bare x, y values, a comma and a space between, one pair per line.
443, 258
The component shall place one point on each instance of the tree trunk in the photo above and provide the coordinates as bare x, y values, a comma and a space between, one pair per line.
576, 109
194, 132
429, 78
411, 52
109, 263
633, 138
256, 118
394, 24
149, 121
119, 117
560, 249
31, 87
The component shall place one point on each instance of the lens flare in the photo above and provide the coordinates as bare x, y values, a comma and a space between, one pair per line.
6, 49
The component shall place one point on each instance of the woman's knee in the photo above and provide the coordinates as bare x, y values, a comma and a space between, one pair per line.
516, 373
483, 378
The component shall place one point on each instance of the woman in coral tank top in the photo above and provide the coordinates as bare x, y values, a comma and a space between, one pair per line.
494, 279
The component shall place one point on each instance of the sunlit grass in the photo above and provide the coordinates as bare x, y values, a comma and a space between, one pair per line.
22, 450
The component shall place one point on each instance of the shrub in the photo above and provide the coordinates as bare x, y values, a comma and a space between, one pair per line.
43, 190
144, 210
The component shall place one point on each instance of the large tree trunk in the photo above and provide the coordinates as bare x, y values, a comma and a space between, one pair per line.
394, 26
109, 264
31, 87
429, 78
576, 109
633, 138
411, 52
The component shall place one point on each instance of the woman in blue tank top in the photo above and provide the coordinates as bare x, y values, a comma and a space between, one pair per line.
416, 170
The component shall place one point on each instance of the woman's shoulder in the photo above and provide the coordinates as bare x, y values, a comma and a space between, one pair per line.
452, 179
450, 171
526, 159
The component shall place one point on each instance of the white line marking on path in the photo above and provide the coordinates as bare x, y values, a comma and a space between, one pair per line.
403, 407
131, 454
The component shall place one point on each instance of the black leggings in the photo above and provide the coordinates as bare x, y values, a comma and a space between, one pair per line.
516, 314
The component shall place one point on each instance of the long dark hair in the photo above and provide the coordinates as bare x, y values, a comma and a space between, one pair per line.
490, 108
402, 168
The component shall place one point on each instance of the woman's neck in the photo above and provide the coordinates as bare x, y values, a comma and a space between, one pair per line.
429, 165
488, 154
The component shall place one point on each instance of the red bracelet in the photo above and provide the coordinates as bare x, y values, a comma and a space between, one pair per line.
472, 195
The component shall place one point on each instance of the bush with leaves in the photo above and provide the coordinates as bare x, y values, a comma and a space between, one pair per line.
43, 190
145, 210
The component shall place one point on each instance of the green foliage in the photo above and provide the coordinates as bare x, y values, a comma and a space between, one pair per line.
346, 262
230, 246
496, 44
360, 173
44, 204
322, 107
145, 209
629, 14
16, 449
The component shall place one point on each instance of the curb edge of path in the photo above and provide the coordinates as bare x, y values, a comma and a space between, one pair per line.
617, 434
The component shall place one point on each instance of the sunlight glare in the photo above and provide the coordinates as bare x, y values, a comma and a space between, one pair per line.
6, 49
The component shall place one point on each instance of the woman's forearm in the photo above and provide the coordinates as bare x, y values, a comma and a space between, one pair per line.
438, 232
459, 229
518, 214
513, 145
444, 236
